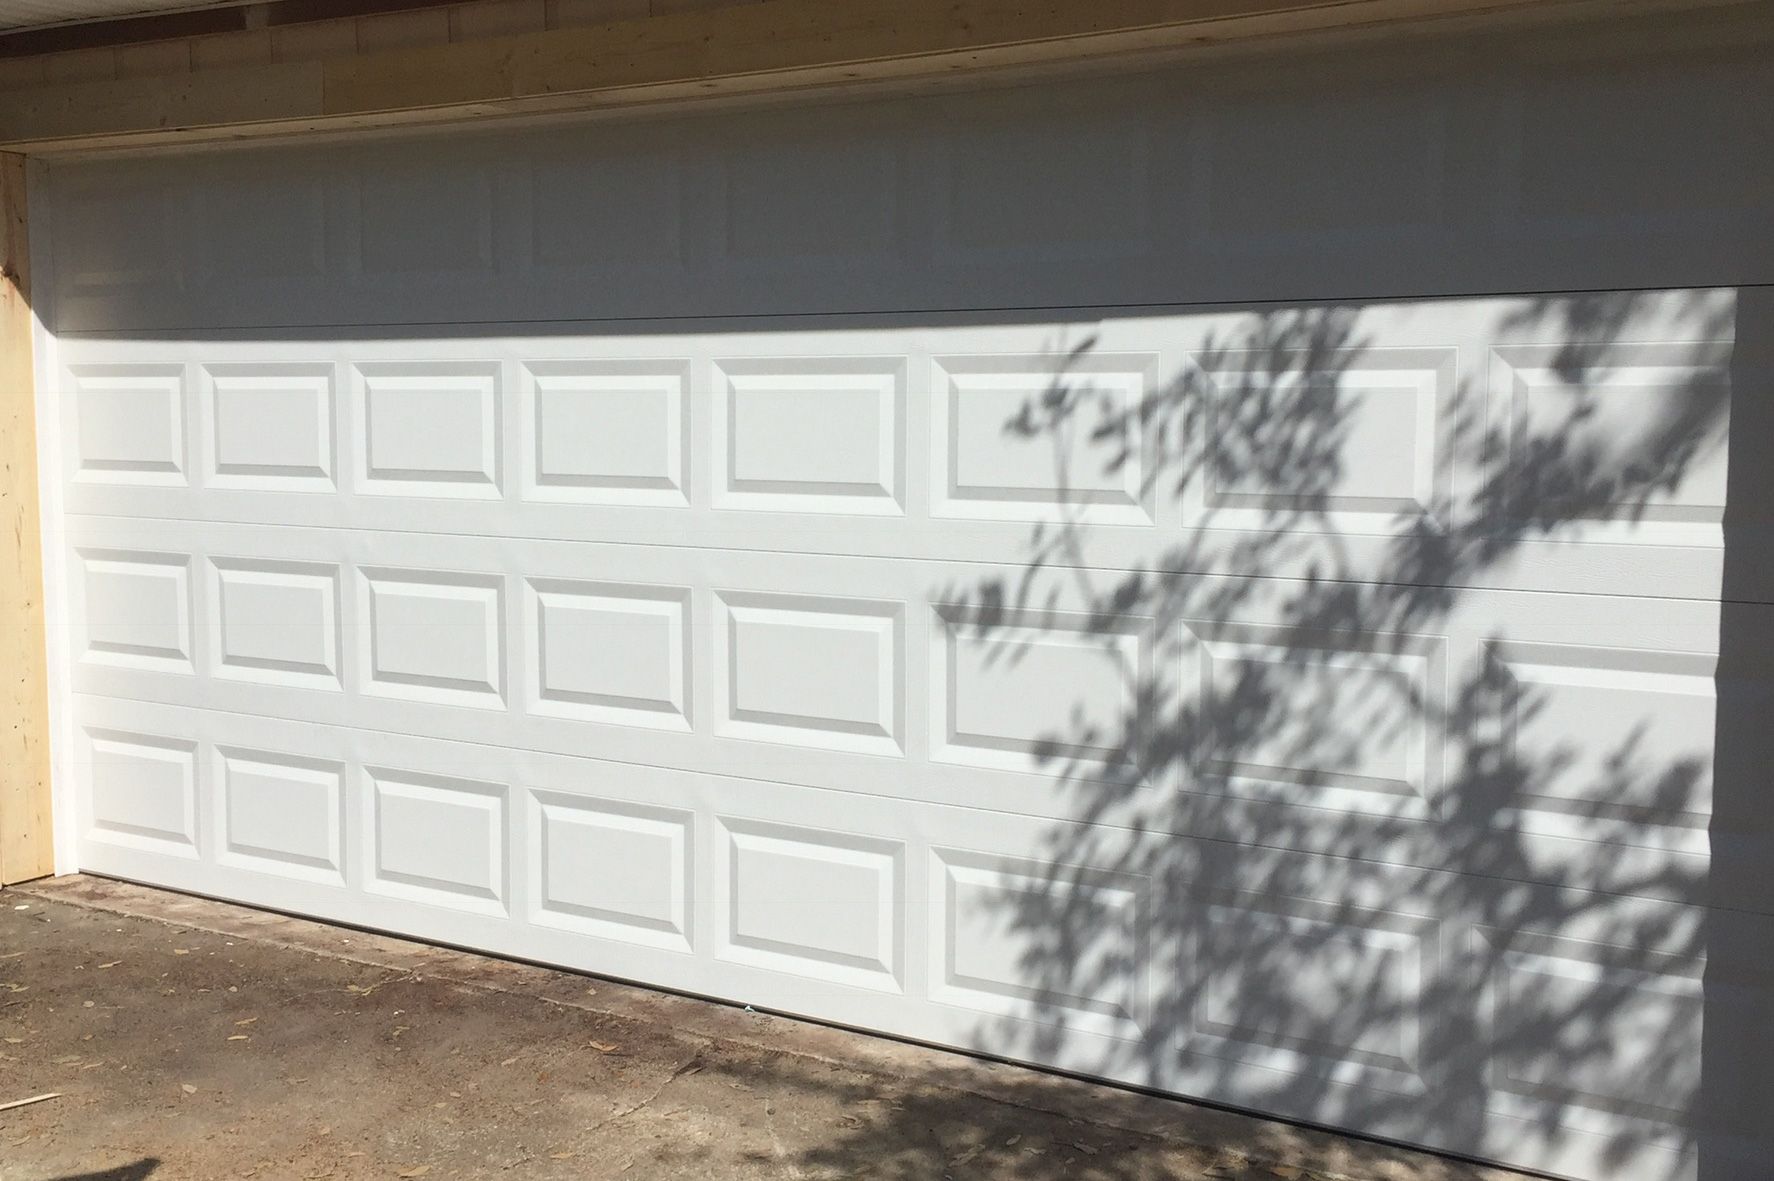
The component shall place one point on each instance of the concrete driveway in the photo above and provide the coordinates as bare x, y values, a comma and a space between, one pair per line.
194, 1039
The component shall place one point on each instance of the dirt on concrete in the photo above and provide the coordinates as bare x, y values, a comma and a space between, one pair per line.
191, 1039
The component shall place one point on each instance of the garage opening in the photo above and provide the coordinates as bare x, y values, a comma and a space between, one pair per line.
1217, 580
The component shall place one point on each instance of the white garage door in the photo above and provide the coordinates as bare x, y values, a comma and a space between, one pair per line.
859, 563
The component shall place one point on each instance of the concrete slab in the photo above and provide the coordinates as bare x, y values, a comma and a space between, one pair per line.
189, 1038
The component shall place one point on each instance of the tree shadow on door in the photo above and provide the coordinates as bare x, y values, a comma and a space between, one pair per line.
1347, 848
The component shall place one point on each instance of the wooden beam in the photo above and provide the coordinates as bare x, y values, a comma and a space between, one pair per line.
744, 49
26, 850
193, 22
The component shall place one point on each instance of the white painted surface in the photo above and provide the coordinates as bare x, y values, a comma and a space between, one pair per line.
1309, 707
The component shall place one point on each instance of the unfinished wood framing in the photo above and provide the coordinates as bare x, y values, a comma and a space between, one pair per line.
25, 837
774, 45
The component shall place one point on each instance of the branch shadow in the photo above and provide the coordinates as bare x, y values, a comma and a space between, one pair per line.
1342, 847
134, 1171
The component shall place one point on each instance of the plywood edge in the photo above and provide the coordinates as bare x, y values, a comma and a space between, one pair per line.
26, 836
745, 49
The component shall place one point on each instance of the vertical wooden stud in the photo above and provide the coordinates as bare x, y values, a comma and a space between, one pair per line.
26, 847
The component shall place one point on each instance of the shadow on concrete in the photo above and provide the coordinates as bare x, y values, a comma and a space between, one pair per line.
135, 1171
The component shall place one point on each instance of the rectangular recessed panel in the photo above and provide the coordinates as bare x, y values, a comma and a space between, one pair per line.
1319, 718
812, 671
617, 207
430, 429
433, 636
1033, 698
1579, 1037
1031, 438
1318, 164
810, 436
283, 814
1048, 183
430, 217
777, 210
276, 622
1305, 994
1000, 949
818, 435
1635, 138
1611, 743
271, 425
611, 653
813, 903
438, 839
263, 227
143, 791
1630, 434
1293, 439
606, 434
116, 237
615, 870
129, 423
137, 609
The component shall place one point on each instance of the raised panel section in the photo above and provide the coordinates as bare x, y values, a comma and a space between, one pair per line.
429, 429
1040, 437
810, 671
282, 814
129, 423
438, 839
1630, 435
813, 903
611, 653
143, 791
116, 237
271, 426
1315, 992
425, 218
1585, 1033
614, 870
136, 609
818, 196
262, 227
1609, 744
1054, 184
995, 950
1325, 719
819, 435
1356, 446
1023, 696
276, 622
432, 636
1636, 139
619, 207
606, 433
1321, 165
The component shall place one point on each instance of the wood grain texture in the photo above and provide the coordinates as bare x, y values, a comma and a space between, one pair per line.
743, 49
25, 837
